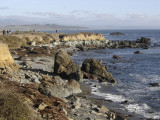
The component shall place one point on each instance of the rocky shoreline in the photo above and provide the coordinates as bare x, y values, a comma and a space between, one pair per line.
50, 81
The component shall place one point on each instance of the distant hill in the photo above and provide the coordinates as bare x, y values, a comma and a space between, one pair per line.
37, 27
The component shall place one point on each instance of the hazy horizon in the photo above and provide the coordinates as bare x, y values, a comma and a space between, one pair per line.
102, 14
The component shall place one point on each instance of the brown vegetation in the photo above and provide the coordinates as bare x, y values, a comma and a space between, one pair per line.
30, 93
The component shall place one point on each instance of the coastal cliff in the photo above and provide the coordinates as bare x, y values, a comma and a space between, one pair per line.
82, 36
6, 60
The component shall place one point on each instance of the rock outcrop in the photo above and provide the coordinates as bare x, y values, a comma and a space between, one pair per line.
66, 68
139, 43
116, 33
95, 67
60, 88
6, 61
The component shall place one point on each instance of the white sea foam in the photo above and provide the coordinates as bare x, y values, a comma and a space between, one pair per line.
142, 110
107, 96
136, 108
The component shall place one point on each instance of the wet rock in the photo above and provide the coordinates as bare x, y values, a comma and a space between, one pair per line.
125, 102
95, 67
66, 68
116, 33
116, 57
139, 43
144, 40
137, 52
115, 67
154, 84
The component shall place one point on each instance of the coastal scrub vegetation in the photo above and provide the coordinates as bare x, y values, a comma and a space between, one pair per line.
13, 41
12, 107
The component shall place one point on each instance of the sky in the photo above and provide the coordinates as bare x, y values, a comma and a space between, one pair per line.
100, 14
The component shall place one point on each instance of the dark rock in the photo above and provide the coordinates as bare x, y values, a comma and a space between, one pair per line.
116, 57
125, 102
154, 84
144, 40
137, 52
116, 33
66, 68
95, 67
115, 67
139, 43
89, 76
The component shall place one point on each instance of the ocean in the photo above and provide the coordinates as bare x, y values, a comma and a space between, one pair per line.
134, 73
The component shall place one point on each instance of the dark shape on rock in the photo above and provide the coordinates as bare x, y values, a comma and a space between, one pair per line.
154, 84
95, 67
66, 68
116, 57
137, 52
116, 33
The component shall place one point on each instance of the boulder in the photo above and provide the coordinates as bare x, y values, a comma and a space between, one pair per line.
73, 87
60, 90
116, 57
95, 67
144, 40
7, 63
66, 68
154, 84
137, 52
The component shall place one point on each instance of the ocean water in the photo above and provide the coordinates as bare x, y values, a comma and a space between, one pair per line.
134, 73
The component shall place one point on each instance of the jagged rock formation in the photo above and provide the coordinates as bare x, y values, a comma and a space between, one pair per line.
66, 68
6, 61
139, 43
95, 67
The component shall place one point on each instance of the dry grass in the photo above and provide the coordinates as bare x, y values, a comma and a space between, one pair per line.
14, 103
12, 107
13, 41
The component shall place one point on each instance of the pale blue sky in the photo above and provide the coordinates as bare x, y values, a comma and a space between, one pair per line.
91, 13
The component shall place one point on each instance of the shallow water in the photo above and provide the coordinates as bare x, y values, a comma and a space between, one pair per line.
134, 73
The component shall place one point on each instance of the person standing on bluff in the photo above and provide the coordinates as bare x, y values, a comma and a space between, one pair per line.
4, 32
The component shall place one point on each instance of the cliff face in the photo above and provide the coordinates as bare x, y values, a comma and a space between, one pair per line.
6, 60
81, 36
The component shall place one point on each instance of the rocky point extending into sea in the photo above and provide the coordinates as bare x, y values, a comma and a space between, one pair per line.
40, 81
